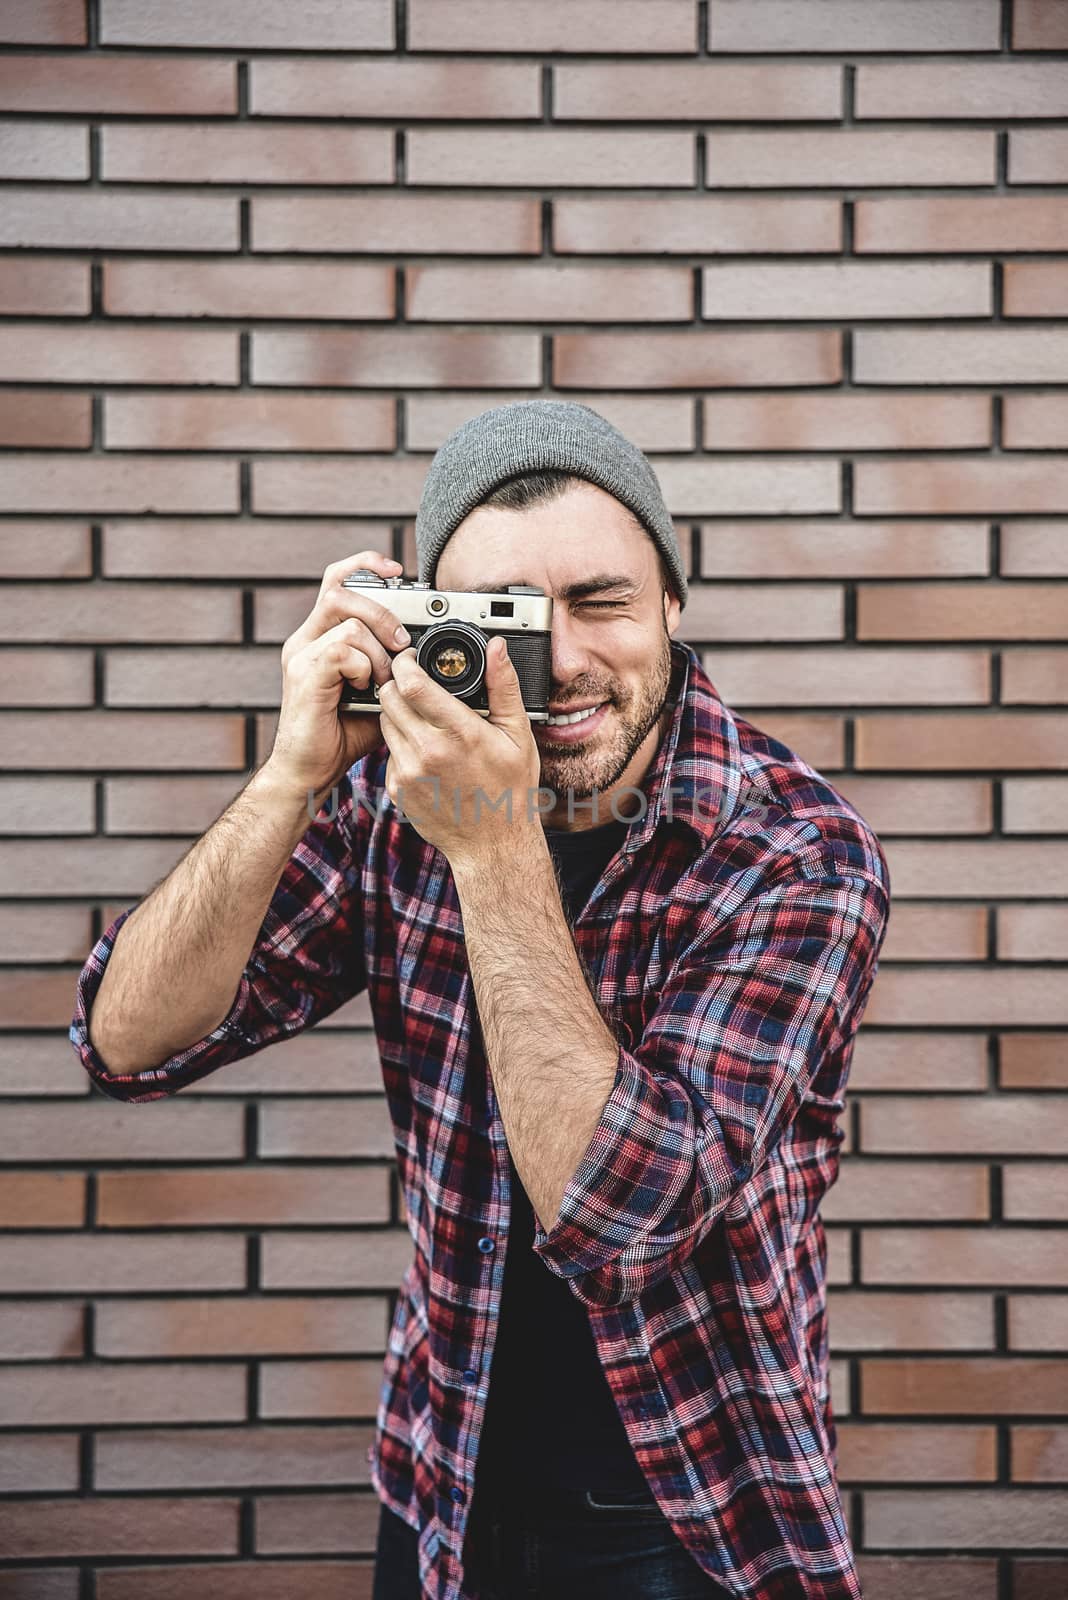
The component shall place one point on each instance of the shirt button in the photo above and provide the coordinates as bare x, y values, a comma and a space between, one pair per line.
470, 1375
486, 1245
457, 1494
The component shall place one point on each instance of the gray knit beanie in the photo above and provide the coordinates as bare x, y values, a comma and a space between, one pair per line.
530, 436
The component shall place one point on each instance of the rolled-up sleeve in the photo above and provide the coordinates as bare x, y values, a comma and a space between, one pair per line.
308, 959
744, 1020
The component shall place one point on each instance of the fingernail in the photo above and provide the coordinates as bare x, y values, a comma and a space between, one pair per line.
402, 635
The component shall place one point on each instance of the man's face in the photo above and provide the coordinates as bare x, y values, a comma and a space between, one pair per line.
611, 646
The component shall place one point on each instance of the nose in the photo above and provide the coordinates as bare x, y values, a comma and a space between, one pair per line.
569, 656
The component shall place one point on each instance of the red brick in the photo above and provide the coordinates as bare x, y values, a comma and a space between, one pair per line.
931, 1321
962, 223
245, 1580
375, 485
850, 157
299, 1129
917, 1453
247, 289
697, 360
43, 1064
319, 1388
926, 932
56, 287
292, 1524
381, 357
119, 1527
957, 1125
183, 677
1039, 25
1033, 1061
552, 293
1034, 549
234, 549
653, 421
51, 740
620, 26
175, 86
36, 353
963, 996
412, 223
37, 677
125, 612
40, 482
1038, 1322
240, 1325
74, 218
930, 485
43, 150
874, 677
39, 1463
230, 1457
1035, 422
327, 1261
837, 25
909, 805
972, 739
845, 421
243, 1196
1039, 1454
1033, 933
903, 1191
963, 611
698, 91
896, 1577
1038, 155
967, 867
980, 1518
740, 487
930, 90
249, 24
1034, 677
39, 549
845, 290
43, 22
1034, 805
38, 417
960, 355
208, 153
249, 422
106, 1392
41, 1330
1036, 288
998, 1257
166, 805
48, 932
837, 549
34, 999
89, 1263
538, 157
398, 87
328, 1061
797, 611
696, 224
42, 1199
888, 1060
116, 1132
1036, 1191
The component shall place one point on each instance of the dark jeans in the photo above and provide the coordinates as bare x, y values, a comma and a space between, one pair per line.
567, 1545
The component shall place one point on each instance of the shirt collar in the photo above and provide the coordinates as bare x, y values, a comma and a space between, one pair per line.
696, 776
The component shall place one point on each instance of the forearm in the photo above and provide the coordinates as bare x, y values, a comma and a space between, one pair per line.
552, 1057
178, 958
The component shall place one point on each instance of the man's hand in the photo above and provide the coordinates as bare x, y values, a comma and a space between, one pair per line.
467, 783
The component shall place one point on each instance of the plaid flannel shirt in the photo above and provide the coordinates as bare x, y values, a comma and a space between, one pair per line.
730, 944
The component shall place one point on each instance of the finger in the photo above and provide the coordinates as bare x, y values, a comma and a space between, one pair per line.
420, 697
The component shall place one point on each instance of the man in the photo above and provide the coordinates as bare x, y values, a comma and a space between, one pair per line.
614, 1045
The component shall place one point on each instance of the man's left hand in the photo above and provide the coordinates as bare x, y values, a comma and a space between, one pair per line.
458, 776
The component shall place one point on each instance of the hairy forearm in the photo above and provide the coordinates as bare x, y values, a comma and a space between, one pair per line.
178, 958
551, 1055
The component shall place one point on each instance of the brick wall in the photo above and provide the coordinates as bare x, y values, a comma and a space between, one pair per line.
813, 256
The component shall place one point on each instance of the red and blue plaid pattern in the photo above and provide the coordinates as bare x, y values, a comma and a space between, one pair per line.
731, 945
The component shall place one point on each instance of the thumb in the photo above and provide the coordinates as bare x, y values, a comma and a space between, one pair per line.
502, 685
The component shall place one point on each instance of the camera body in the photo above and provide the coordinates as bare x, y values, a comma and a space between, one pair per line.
450, 630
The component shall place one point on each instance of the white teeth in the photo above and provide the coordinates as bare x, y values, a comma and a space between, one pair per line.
575, 716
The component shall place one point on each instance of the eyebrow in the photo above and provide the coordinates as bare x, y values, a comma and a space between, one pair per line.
570, 591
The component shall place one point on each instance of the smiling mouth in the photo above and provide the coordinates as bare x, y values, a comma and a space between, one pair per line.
568, 718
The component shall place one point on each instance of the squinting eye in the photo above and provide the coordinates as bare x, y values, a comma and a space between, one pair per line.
596, 605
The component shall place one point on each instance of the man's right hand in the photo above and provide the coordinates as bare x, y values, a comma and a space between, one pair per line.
347, 638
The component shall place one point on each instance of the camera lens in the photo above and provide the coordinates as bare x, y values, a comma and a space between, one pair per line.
454, 655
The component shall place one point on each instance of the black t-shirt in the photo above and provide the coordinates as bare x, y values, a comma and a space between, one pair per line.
551, 1417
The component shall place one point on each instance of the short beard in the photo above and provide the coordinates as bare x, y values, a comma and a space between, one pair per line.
578, 772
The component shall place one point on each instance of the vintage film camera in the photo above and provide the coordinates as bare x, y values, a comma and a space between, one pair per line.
450, 630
